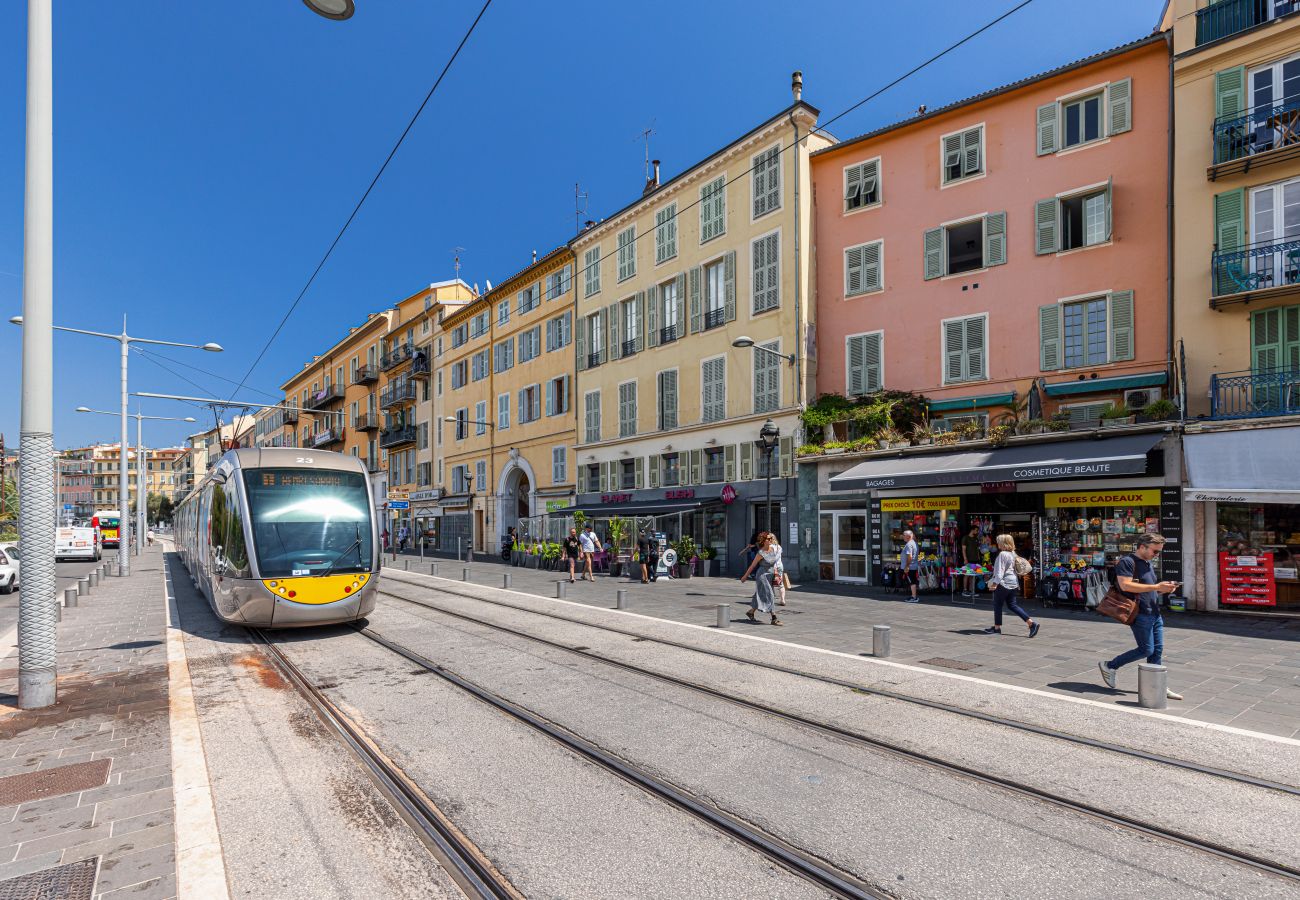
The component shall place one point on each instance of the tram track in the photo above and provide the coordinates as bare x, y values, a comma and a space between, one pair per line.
1119, 820
991, 718
464, 863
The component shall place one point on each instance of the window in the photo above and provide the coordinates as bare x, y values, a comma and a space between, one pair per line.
593, 478
767, 377
480, 476
557, 283
864, 363
1086, 332
529, 299
1084, 415
766, 180
462, 423
766, 256
948, 423
437, 382
530, 404
714, 465
862, 185
669, 328
1275, 349
503, 412
594, 324
480, 417
591, 272
963, 154
559, 465
627, 253
713, 209
503, 312
591, 430
422, 430
629, 319
1081, 121
1067, 223
666, 233
479, 367
459, 374
530, 344
460, 479
1078, 120
478, 326
760, 470
964, 351
559, 332
864, 268
966, 246
627, 409
670, 469
503, 356
713, 379
715, 294
627, 474
557, 396
666, 382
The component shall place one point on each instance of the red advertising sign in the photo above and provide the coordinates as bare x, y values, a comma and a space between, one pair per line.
728, 493
1247, 579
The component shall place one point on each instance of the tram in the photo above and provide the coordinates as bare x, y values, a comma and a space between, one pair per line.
282, 538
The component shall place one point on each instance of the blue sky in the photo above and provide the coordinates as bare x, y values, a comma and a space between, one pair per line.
206, 154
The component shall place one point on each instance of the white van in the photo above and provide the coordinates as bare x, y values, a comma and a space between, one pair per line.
76, 543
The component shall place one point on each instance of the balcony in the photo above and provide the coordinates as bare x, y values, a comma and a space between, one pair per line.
629, 347
397, 393
366, 375
395, 357
1228, 17
714, 317
396, 436
1265, 135
595, 359
668, 335
289, 416
419, 366
367, 422
331, 394
1258, 271
372, 466
1251, 395
327, 437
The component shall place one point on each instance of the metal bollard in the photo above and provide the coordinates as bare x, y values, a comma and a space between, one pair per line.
880, 640
464, 574
460, 548
58, 611
561, 590
507, 580
433, 568
70, 597
406, 565
724, 615
621, 601
92, 580
1153, 686
83, 585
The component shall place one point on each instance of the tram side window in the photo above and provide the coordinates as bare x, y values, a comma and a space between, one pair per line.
236, 546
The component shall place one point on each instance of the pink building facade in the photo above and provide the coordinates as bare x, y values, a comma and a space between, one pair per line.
1005, 253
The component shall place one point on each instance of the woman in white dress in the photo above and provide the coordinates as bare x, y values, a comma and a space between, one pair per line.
766, 570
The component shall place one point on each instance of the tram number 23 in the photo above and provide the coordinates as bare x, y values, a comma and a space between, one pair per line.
305, 459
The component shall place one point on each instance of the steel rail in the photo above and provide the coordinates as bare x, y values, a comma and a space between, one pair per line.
1177, 837
472, 871
1041, 730
800, 863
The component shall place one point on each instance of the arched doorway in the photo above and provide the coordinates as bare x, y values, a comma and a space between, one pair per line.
515, 497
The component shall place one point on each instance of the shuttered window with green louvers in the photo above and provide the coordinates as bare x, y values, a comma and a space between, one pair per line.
964, 349
766, 258
627, 253
591, 424
963, 154
862, 185
713, 209
667, 385
713, 389
767, 377
766, 180
864, 268
666, 233
591, 271
864, 363
627, 409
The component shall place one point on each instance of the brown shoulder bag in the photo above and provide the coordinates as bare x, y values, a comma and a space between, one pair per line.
1118, 606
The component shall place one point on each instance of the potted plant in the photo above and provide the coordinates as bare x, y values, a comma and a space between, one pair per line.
809, 450
1031, 426
922, 434
686, 555
998, 434
891, 437
1059, 422
1159, 410
863, 445
833, 447
708, 561
946, 438
968, 430
1116, 414
618, 531
550, 555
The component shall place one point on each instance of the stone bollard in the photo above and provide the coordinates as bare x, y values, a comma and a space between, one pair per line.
464, 574
1153, 686
83, 585
92, 581
880, 641
507, 580
621, 601
70, 597
433, 568
561, 590
406, 565
724, 615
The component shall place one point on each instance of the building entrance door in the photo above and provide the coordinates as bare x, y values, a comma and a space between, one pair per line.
851, 546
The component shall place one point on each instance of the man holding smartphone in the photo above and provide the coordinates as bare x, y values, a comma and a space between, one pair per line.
1136, 578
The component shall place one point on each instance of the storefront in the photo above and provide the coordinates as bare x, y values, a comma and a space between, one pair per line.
1244, 490
1071, 506
454, 529
425, 516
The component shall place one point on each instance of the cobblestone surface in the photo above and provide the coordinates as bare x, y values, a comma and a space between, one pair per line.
112, 704
1232, 670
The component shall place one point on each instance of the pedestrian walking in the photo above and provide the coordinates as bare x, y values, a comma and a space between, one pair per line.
1136, 579
1006, 585
970, 556
652, 561
572, 550
590, 545
778, 569
763, 569
643, 554
402, 535
751, 549
910, 565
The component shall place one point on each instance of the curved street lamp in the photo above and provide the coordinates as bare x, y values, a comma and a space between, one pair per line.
768, 437
338, 10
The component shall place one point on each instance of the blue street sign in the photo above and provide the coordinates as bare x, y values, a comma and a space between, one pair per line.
399, 504
67, 506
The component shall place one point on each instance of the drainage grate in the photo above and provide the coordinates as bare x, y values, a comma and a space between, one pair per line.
51, 782
950, 663
75, 881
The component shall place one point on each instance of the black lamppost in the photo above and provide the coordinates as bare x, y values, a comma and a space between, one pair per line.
768, 436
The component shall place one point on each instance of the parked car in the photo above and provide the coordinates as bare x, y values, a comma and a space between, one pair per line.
10, 570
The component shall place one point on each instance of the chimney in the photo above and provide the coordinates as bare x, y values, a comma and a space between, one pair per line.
590, 223
653, 182
796, 86
655, 163
534, 256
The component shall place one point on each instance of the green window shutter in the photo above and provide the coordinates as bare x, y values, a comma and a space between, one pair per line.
638, 311
746, 461
952, 145
976, 349
1121, 325
853, 187
639, 472
995, 239
652, 469
871, 265
1291, 337
613, 333
1229, 234
1229, 92
729, 284
786, 448
680, 319
1046, 121
696, 458
873, 353
853, 271
697, 314
1265, 340
971, 163
933, 253
870, 181
652, 316
1049, 337
855, 361
954, 351
1110, 205
729, 462
604, 476
1119, 106
580, 344
1045, 226
550, 398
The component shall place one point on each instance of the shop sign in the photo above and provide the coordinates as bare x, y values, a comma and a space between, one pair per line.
728, 493
1072, 499
615, 498
557, 505
920, 504
1198, 495
998, 487
680, 494
1249, 580
398, 495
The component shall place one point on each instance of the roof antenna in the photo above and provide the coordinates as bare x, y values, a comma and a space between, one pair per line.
645, 136
456, 252
580, 199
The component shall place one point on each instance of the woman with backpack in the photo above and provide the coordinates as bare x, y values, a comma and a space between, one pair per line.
1005, 581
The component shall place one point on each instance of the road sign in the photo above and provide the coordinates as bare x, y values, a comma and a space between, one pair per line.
399, 504
67, 506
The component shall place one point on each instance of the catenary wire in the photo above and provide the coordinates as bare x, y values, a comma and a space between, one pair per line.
158, 356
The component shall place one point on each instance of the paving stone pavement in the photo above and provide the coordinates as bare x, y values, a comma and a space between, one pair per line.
1232, 670
112, 705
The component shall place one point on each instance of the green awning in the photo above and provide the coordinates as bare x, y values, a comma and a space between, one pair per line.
1097, 385
972, 402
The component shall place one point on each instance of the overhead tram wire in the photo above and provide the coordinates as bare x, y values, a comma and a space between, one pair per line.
338, 237
158, 357
873, 95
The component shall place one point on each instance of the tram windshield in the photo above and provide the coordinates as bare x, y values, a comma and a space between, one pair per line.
308, 521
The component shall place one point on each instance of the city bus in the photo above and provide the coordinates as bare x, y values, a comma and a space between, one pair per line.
109, 525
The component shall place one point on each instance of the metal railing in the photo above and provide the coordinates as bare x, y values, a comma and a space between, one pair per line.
1255, 267
366, 375
713, 473
289, 416
420, 366
391, 437
1247, 395
668, 335
395, 357
1227, 17
629, 347
326, 437
714, 317
595, 359
398, 392
366, 422
331, 394
1264, 128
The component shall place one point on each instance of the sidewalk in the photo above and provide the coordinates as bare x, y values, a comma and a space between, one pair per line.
86, 801
1232, 670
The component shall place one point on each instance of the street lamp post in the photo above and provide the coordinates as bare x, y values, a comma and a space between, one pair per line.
768, 436
492, 436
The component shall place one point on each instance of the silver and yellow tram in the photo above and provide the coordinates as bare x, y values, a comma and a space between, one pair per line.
281, 538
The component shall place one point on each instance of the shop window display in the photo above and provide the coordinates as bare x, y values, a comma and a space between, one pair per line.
1258, 550
933, 520
1082, 535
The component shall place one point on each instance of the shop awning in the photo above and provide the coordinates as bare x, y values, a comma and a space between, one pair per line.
643, 508
981, 402
1251, 465
1108, 457
1097, 385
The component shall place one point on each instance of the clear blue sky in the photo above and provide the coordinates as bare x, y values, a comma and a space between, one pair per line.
206, 153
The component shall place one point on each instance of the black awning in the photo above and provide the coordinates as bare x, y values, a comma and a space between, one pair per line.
1124, 454
643, 508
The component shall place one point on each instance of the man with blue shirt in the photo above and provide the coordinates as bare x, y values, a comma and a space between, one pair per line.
910, 564
1136, 579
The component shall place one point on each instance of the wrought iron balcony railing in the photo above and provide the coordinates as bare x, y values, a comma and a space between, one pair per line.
1255, 267
327, 437
1248, 395
395, 357
714, 317
392, 437
595, 359
668, 335
1227, 17
366, 375
1261, 129
366, 422
289, 416
397, 393
419, 366
629, 347
331, 394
